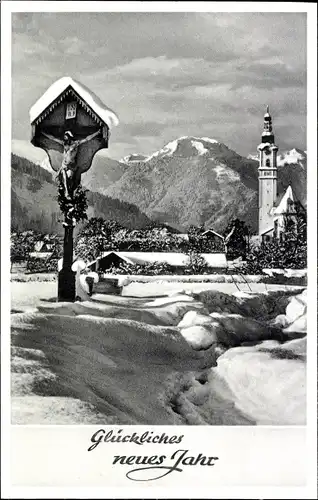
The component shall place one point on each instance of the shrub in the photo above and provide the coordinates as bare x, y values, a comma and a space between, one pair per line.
41, 265
21, 244
196, 265
237, 239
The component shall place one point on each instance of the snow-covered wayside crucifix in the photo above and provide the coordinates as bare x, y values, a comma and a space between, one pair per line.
71, 124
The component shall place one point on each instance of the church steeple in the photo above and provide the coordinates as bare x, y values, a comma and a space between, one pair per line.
267, 135
267, 175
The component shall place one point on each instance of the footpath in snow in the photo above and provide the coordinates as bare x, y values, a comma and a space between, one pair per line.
186, 356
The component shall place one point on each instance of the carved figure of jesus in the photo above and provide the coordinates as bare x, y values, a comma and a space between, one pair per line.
68, 172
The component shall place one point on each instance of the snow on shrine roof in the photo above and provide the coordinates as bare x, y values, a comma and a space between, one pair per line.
283, 205
58, 87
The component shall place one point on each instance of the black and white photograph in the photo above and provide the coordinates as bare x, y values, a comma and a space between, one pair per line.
159, 223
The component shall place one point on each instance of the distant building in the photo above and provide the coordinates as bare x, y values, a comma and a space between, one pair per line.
216, 238
42, 250
272, 210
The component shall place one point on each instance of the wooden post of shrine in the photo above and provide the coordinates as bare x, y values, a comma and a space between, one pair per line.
66, 277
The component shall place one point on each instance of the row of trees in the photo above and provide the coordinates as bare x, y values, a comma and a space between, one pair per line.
99, 235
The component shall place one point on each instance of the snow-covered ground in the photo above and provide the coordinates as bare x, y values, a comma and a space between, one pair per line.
162, 353
164, 288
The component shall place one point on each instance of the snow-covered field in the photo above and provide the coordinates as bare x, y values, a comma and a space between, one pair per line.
162, 353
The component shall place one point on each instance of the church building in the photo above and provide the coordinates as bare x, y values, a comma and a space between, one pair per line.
272, 209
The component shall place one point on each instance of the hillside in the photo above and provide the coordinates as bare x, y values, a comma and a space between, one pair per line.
34, 201
200, 180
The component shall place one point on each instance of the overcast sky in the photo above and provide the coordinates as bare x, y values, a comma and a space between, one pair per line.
168, 75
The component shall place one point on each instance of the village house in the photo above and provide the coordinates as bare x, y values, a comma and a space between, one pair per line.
42, 250
216, 238
177, 261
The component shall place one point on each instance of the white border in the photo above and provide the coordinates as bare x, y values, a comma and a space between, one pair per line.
163, 6
7, 7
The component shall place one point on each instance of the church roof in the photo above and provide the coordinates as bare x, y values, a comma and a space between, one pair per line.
282, 207
57, 88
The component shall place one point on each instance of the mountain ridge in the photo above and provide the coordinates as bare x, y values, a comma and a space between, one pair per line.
193, 180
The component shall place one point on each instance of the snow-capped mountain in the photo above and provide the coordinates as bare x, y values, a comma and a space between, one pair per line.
185, 147
196, 180
293, 157
191, 180
253, 157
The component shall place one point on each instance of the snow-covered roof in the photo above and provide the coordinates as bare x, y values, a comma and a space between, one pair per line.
214, 232
42, 246
105, 254
264, 145
40, 255
175, 259
171, 258
38, 246
57, 88
215, 259
268, 145
282, 208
